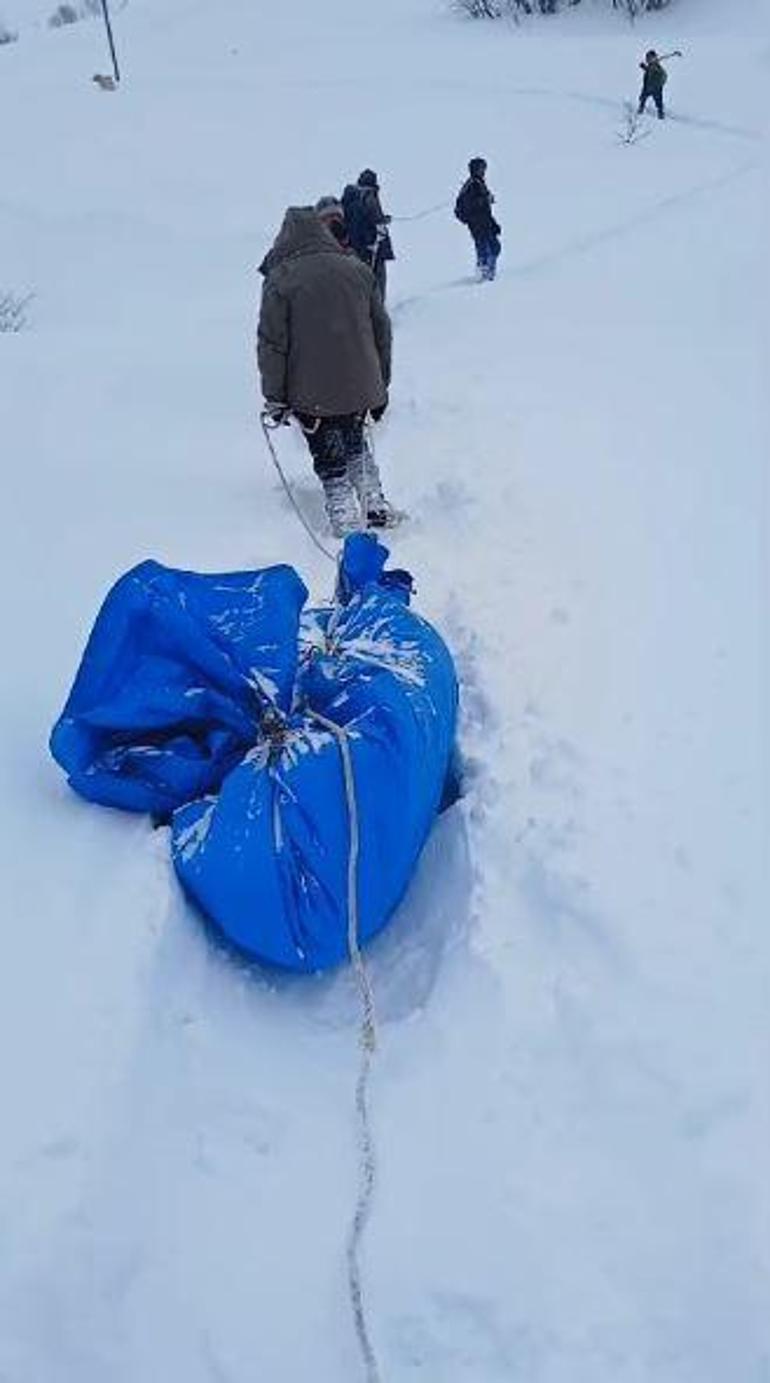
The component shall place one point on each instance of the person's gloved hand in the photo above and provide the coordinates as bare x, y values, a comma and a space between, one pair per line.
276, 413
377, 413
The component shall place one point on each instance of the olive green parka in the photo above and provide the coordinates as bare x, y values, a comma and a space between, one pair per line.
324, 338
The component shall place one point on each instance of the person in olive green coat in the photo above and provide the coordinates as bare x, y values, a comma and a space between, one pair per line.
324, 355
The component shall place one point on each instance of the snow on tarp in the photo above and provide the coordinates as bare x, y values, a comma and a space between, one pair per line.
195, 701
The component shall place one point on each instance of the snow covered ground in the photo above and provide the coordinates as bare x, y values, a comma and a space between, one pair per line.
571, 1096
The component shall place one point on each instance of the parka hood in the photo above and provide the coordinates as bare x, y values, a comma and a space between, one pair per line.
302, 233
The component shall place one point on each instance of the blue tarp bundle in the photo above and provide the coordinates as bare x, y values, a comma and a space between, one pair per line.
194, 701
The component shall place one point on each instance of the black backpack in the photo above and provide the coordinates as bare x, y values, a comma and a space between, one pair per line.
461, 205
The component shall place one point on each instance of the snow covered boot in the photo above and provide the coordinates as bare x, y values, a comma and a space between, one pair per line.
378, 512
342, 508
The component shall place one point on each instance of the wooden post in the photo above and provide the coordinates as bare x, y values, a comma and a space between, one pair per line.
113, 54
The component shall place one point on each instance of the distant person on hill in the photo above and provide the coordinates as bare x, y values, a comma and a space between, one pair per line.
323, 350
655, 78
368, 225
474, 208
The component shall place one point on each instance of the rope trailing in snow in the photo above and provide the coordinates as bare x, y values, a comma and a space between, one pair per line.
267, 428
367, 1045
367, 1038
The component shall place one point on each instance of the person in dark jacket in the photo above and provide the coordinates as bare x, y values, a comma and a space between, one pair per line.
655, 78
323, 349
474, 208
367, 225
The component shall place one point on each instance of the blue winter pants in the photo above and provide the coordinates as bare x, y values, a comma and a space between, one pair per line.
487, 251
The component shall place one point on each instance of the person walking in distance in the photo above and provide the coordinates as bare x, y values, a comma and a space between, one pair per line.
655, 78
368, 225
324, 353
474, 208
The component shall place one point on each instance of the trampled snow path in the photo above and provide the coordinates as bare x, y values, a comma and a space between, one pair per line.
570, 1094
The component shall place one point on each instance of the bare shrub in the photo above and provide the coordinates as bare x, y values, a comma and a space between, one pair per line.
493, 9
514, 9
479, 9
86, 9
13, 311
65, 14
633, 8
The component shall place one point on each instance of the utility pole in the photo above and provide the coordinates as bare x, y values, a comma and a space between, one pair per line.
108, 26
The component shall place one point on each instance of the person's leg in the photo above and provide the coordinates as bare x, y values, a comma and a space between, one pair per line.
658, 98
643, 99
381, 276
328, 444
494, 254
487, 258
478, 243
365, 475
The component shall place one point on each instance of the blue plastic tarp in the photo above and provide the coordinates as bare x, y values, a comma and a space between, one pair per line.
195, 701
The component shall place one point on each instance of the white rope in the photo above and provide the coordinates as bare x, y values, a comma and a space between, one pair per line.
420, 215
367, 1044
267, 429
367, 1037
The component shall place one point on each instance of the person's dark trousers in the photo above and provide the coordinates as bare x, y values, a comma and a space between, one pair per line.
487, 251
381, 276
379, 267
333, 442
657, 95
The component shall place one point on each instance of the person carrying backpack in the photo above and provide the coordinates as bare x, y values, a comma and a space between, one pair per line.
474, 208
367, 225
655, 78
323, 350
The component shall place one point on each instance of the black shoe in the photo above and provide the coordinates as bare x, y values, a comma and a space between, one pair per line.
383, 516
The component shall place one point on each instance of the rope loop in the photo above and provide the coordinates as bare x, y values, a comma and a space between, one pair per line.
269, 427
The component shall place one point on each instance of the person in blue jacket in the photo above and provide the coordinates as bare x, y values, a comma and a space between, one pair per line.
474, 208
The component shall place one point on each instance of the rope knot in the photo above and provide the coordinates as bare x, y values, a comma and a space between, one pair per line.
274, 729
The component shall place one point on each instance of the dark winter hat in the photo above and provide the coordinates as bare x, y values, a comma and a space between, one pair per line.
368, 178
477, 166
651, 55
